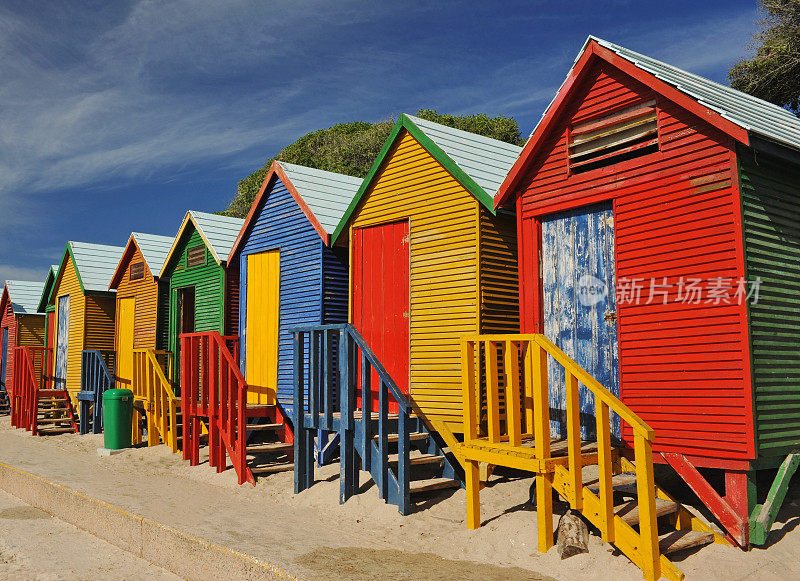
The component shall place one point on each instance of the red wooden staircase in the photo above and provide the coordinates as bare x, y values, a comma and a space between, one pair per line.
36, 405
257, 438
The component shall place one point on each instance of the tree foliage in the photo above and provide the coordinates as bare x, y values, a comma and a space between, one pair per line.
773, 72
351, 148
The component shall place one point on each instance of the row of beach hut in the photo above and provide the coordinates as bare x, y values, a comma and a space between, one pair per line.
472, 304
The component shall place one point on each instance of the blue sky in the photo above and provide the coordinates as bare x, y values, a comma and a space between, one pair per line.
120, 116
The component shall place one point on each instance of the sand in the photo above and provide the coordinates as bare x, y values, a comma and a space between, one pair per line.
314, 537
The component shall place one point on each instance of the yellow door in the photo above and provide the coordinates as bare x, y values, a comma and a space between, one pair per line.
125, 342
261, 352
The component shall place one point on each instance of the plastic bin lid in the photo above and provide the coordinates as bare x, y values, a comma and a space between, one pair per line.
117, 394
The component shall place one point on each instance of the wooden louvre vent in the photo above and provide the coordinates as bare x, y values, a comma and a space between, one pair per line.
196, 256
137, 270
618, 137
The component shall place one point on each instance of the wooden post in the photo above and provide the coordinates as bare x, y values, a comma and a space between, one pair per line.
574, 441
646, 493
473, 495
604, 464
492, 392
299, 414
346, 457
541, 426
468, 389
513, 419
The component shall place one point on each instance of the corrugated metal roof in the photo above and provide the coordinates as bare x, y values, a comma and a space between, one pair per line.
155, 249
485, 160
327, 194
219, 232
96, 264
750, 113
49, 280
24, 295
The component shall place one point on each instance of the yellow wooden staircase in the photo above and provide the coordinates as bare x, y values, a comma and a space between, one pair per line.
153, 394
507, 423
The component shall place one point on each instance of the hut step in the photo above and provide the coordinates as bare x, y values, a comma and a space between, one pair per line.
254, 427
272, 468
625, 482
414, 437
418, 460
674, 541
431, 484
629, 511
269, 447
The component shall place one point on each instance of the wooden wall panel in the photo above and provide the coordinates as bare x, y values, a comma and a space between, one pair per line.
771, 214
145, 291
443, 220
100, 321
30, 330
69, 285
281, 225
684, 368
9, 321
498, 273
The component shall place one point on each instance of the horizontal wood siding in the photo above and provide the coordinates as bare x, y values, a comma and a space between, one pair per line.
771, 215
208, 281
281, 225
498, 273
145, 291
9, 322
443, 222
162, 320
69, 285
31, 331
684, 368
100, 321
334, 285
232, 299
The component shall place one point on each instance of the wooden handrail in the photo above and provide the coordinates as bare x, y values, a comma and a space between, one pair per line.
514, 417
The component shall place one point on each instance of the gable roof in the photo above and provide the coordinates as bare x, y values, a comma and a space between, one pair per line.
218, 232
154, 250
24, 296
479, 163
735, 113
94, 265
47, 288
323, 196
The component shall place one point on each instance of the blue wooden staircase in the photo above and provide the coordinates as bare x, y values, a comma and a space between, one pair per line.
97, 375
379, 429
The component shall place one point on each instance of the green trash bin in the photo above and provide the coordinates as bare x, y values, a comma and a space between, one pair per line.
117, 416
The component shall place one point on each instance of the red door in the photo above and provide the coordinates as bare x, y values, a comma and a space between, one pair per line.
380, 297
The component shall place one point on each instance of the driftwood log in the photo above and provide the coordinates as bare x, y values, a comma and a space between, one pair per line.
573, 535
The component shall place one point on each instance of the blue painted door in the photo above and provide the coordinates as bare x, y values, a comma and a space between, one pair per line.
579, 306
4, 360
62, 342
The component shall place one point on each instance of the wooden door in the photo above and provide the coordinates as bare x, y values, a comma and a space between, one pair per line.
579, 309
262, 324
4, 360
380, 302
125, 325
62, 343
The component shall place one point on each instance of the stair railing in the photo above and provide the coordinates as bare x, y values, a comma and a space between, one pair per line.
151, 386
213, 387
33, 364
97, 375
525, 412
320, 404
